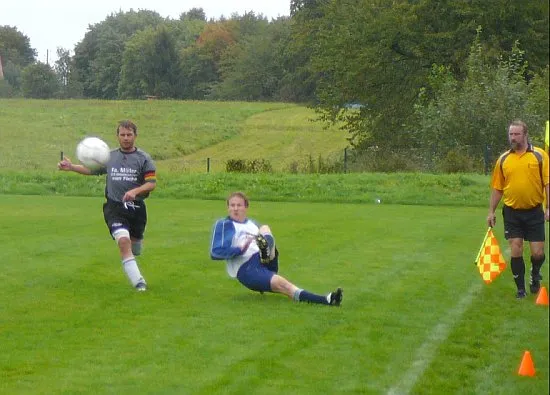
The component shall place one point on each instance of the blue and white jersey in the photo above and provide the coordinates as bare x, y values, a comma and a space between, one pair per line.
227, 240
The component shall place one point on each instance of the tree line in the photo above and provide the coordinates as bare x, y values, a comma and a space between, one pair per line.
405, 73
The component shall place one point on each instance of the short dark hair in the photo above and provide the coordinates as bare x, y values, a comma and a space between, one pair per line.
127, 124
518, 122
238, 194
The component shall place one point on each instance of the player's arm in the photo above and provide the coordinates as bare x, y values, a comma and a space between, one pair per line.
67, 165
222, 237
497, 186
141, 190
496, 195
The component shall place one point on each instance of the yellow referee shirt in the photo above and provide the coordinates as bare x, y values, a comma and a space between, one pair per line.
522, 177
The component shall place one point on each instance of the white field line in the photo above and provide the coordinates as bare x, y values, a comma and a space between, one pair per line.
426, 352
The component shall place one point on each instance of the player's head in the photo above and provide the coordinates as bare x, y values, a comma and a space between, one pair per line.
126, 133
237, 206
128, 125
517, 135
239, 195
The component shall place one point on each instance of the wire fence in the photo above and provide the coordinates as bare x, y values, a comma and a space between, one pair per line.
466, 159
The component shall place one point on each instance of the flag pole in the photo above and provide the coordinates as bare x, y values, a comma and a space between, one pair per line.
482, 245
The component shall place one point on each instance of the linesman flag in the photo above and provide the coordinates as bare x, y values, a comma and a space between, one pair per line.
490, 261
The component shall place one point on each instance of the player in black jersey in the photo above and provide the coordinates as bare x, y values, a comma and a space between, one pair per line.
131, 177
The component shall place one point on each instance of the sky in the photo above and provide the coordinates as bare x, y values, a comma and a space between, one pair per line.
63, 23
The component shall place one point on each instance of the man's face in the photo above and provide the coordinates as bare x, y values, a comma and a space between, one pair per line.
236, 209
517, 138
126, 139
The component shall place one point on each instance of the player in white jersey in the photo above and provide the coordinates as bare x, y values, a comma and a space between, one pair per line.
252, 257
131, 176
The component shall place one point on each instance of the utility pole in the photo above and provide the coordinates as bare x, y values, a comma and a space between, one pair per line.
1, 71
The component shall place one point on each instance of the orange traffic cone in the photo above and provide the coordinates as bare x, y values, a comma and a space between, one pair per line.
542, 298
527, 368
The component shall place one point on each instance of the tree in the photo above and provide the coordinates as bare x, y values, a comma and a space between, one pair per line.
62, 66
253, 69
15, 47
193, 14
98, 57
12, 78
380, 53
150, 65
475, 112
200, 63
537, 105
15, 54
64, 69
39, 81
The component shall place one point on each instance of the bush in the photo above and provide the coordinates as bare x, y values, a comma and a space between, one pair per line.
5, 89
319, 166
456, 161
375, 159
248, 166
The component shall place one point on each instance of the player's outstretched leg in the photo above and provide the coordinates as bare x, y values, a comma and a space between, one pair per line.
129, 263
282, 285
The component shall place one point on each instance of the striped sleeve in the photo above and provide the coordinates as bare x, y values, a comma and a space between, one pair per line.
150, 176
222, 238
497, 179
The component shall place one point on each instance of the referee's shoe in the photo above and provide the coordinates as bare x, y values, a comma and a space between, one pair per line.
534, 283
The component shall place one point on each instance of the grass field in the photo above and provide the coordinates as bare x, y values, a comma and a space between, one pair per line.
416, 317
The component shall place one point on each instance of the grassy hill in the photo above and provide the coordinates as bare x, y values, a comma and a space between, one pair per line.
285, 137
178, 134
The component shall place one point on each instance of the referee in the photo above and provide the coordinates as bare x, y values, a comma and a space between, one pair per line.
521, 178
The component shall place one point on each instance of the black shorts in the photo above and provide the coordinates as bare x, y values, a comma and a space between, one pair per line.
526, 224
130, 216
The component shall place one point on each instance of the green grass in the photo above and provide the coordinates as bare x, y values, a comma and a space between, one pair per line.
396, 188
416, 316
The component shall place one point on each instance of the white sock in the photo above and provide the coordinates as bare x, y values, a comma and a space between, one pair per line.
132, 271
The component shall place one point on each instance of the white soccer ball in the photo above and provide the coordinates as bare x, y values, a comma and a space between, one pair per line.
93, 152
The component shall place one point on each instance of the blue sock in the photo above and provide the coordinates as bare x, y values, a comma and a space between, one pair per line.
302, 295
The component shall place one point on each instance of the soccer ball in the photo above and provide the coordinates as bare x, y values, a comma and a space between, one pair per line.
93, 152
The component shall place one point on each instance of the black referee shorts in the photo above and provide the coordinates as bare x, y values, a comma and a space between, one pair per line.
526, 224
131, 216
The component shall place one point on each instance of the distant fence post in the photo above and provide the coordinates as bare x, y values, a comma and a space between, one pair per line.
487, 158
208, 165
346, 160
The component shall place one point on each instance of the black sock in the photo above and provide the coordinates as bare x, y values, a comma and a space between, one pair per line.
518, 270
305, 296
536, 264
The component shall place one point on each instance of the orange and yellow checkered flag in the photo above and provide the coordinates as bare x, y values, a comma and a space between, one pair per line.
490, 261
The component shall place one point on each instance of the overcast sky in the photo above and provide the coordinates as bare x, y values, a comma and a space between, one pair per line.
63, 23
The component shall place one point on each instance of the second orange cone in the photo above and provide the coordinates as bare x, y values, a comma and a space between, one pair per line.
542, 297
527, 368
